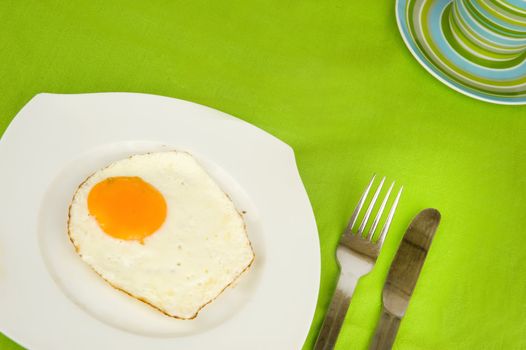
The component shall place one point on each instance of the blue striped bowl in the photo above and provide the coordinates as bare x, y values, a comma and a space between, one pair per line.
477, 47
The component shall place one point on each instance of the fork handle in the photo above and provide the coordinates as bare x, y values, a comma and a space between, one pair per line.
385, 331
336, 314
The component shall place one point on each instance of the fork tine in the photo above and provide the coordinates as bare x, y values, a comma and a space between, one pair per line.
380, 211
370, 208
359, 206
383, 233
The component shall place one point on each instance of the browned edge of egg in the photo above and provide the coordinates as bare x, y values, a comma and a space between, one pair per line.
142, 299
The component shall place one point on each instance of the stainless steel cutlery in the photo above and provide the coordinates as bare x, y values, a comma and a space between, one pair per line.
403, 275
356, 255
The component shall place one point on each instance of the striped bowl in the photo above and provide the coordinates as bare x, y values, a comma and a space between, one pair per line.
477, 47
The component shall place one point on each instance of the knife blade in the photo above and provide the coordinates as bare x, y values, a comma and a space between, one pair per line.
403, 275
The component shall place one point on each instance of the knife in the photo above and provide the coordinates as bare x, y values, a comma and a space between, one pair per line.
403, 275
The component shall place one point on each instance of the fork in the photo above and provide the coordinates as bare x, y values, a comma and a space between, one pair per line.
356, 256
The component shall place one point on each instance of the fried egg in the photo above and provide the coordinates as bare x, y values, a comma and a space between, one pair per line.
157, 227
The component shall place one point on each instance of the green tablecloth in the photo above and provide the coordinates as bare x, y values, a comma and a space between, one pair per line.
335, 81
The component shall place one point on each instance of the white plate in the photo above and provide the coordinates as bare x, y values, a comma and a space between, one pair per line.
50, 299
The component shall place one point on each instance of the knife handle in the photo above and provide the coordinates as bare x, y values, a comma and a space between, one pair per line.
385, 331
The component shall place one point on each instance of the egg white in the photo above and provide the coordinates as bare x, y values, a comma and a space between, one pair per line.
201, 248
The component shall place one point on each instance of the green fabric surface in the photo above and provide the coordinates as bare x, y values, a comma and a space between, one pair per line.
335, 81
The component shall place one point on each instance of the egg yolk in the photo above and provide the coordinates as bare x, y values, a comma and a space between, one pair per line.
127, 207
